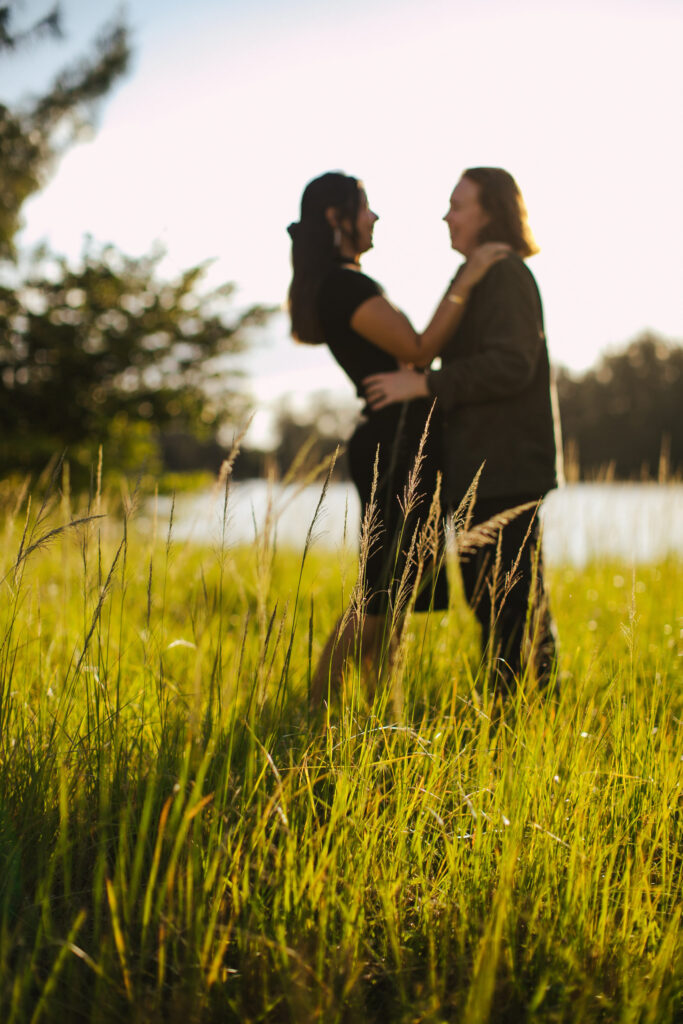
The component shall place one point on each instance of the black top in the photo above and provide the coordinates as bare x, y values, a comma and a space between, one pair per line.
340, 295
494, 390
381, 455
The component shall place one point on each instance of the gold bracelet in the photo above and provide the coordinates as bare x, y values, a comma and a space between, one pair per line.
456, 299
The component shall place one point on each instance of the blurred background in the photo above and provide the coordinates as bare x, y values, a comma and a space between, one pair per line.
151, 158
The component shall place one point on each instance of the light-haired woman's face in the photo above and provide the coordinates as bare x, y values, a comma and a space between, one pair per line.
465, 217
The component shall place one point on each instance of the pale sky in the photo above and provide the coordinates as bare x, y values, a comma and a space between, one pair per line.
232, 107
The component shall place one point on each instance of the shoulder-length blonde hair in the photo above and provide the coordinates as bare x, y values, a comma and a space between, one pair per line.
501, 199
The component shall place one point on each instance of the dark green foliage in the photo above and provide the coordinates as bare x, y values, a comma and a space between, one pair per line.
33, 137
108, 354
626, 415
9, 38
105, 353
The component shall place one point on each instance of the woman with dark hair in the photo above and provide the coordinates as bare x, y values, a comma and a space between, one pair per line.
332, 302
499, 417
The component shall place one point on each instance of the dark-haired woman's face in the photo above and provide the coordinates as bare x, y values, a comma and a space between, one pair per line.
355, 237
465, 217
365, 223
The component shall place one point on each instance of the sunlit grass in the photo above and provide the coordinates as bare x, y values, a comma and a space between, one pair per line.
181, 842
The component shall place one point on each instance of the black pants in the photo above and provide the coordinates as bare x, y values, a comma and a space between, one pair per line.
503, 582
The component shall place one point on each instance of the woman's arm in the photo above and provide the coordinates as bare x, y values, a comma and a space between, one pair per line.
390, 329
511, 343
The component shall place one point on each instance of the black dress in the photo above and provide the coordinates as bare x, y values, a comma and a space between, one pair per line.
393, 434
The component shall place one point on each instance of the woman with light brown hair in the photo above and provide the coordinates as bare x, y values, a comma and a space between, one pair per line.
499, 419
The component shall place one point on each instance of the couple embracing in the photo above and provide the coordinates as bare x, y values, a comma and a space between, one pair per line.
488, 411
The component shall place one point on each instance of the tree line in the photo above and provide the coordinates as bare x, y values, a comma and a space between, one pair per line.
622, 419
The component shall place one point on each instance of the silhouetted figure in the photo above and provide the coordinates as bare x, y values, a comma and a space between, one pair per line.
494, 394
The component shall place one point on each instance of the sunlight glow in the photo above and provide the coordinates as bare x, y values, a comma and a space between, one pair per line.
229, 112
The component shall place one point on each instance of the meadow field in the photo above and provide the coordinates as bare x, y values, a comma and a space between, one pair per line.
180, 841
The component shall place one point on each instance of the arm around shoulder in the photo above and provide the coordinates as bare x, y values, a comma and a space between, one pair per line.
387, 327
509, 341
384, 325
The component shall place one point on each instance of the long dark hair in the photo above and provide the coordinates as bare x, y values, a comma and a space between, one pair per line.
313, 248
500, 197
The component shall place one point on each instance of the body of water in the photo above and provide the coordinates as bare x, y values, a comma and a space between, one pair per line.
636, 522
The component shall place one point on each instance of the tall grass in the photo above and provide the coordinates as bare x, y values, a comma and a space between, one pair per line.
179, 842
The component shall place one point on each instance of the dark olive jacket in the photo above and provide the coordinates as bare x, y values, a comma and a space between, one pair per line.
494, 391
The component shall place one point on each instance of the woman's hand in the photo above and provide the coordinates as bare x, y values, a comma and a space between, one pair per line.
481, 260
398, 386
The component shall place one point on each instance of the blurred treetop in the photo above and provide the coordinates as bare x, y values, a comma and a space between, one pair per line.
105, 353
50, 24
33, 136
86, 353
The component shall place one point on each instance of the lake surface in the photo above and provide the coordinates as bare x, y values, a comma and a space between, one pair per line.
581, 522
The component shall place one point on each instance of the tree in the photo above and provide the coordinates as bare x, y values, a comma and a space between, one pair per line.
627, 413
33, 137
109, 354
50, 24
106, 353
